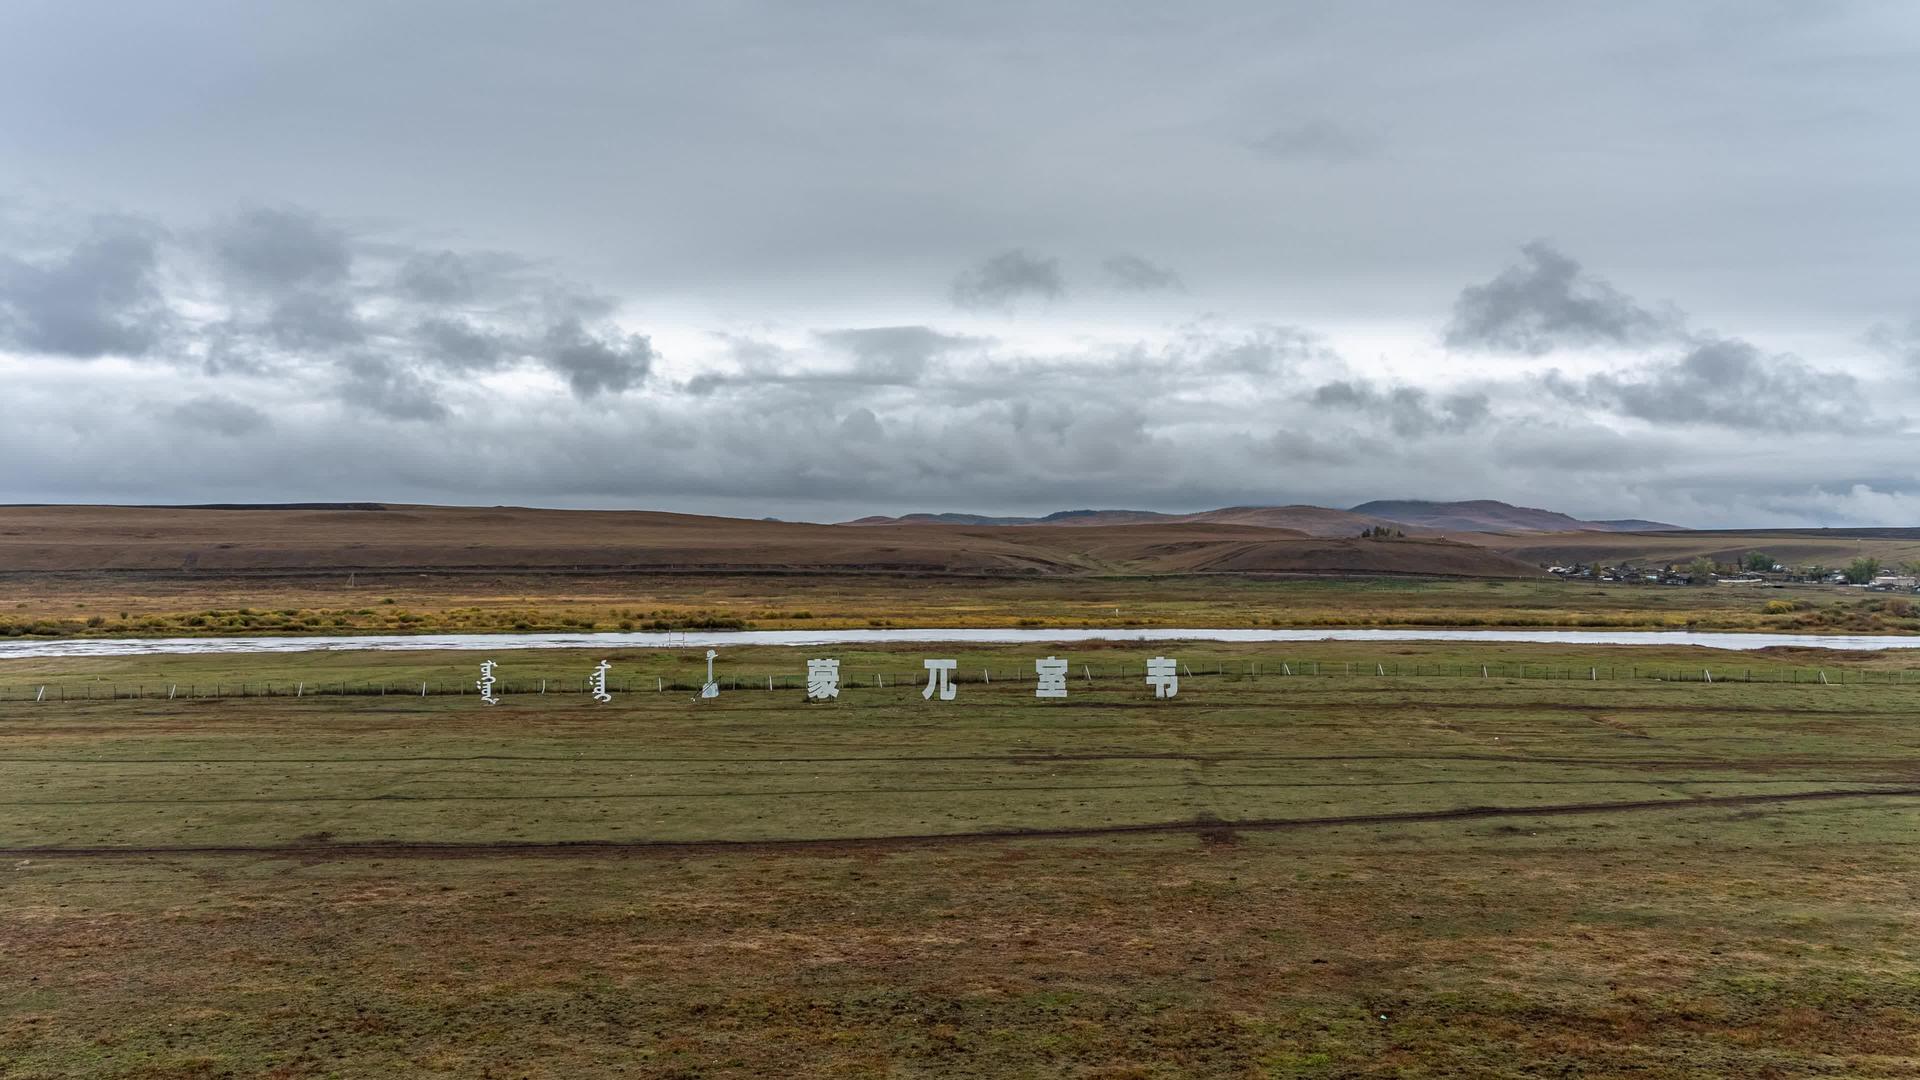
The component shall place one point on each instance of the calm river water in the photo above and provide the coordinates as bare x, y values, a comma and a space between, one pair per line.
720, 639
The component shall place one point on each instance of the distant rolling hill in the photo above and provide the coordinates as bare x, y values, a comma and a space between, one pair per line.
393, 538
1308, 520
1415, 517
1492, 516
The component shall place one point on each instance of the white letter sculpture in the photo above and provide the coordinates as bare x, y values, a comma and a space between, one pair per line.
1050, 677
1163, 674
710, 688
598, 683
486, 683
937, 679
823, 679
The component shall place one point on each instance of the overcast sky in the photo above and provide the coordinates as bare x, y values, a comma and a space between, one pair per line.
821, 260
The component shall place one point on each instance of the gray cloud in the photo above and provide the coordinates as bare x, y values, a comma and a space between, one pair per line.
279, 249
1548, 301
1136, 274
98, 296
440, 277
1902, 343
1260, 350
1732, 384
304, 321
1315, 140
376, 385
459, 345
861, 426
898, 353
290, 290
1008, 277
220, 415
596, 362
1408, 411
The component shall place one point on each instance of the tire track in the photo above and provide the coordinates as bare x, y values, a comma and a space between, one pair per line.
956, 789
428, 849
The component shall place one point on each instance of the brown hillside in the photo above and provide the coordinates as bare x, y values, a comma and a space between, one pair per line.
1799, 547
1312, 520
100, 538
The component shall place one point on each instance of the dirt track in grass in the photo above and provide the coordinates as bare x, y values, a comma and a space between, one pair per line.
679, 849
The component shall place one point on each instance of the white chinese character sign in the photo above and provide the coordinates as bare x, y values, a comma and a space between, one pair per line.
1050, 678
937, 679
1163, 674
1051, 674
823, 679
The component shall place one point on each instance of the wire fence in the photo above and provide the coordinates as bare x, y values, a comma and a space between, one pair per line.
1081, 673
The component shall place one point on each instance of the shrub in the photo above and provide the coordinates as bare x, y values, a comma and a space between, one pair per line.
1779, 607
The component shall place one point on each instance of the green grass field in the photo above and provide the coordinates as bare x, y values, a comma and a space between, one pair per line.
1346, 875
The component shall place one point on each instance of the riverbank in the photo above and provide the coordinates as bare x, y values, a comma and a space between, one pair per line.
335, 605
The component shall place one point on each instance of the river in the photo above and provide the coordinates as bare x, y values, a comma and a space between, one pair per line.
17, 649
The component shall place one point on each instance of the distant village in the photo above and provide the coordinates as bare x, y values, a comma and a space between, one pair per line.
1756, 570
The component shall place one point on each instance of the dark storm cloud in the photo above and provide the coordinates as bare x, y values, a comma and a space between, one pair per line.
1136, 274
1408, 411
1546, 302
1314, 140
1729, 383
596, 362
220, 415
97, 295
1007, 277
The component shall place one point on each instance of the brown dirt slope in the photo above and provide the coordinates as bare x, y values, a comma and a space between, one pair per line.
154, 539
1312, 520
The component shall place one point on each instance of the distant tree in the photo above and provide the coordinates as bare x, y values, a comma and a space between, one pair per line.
1863, 570
1701, 568
1758, 561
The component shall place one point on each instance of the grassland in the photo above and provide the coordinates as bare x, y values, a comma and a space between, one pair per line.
1265, 877
109, 605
